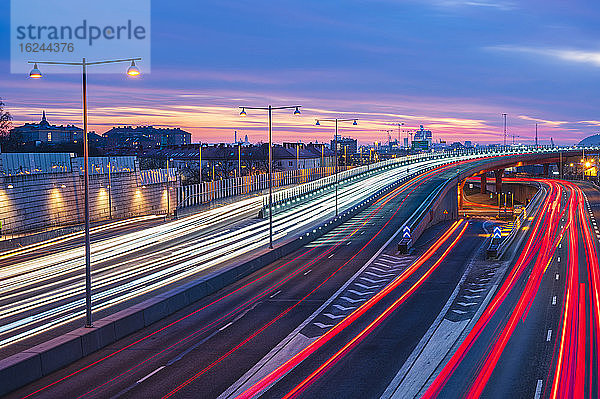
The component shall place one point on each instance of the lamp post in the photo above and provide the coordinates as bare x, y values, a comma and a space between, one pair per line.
200, 160
132, 71
504, 115
240, 160
168, 188
335, 150
270, 109
109, 189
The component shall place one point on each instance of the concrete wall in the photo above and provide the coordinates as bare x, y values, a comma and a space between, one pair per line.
40, 201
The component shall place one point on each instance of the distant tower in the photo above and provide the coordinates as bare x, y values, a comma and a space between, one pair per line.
536, 136
44, 121
552, 142
235, 136
246, 139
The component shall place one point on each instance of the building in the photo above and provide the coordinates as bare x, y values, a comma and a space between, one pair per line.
422, 139
144, 137
44, 132
349, 143
224, 160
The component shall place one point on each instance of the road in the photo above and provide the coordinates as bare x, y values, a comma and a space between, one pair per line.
41, 295
539, 337
204, 349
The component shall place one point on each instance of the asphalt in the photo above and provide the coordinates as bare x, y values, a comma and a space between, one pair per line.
366, 370
209, 345
527, 365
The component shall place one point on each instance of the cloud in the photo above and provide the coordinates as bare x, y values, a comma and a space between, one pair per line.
500, 5
570, 55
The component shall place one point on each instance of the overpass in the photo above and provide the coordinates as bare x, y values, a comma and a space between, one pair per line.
142, 277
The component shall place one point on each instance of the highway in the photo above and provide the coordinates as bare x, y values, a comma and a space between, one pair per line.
41, 295
347, 310
207, 347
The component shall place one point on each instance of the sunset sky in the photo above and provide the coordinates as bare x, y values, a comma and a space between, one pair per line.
452, 65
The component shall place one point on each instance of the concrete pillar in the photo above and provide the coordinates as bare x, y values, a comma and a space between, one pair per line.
546, 169
498, 175
483, 183
461, 187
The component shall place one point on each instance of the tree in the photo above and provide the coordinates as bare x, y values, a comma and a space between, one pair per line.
5, 121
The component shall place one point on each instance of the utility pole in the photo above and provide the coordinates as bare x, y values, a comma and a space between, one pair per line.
240, 159
536, 135
504, 115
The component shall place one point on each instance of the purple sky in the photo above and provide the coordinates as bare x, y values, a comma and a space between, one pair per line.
451, 65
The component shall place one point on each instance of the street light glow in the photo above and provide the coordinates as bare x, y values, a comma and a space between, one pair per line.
133, 70
243, 113
297, 111
35, 72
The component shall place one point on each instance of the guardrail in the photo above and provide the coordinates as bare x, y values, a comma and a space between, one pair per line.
315, 179
496, 248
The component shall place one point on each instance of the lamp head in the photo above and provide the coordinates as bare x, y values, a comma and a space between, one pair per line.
133, 70
243, 113
35, 72
296, 111
355, 123
318, 123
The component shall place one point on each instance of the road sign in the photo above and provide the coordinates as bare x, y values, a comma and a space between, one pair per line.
406, 232
497, 232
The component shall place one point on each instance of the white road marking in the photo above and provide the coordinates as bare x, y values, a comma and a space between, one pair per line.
367, 287
538, 389
225, 326
361, 293
275, 294
343, 308
556, 277
331, 256
549, 336
554, 300
324, 326
308, 271
150, 375
331, 316
345, 298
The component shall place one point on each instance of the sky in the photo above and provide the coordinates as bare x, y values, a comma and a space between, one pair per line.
453, 66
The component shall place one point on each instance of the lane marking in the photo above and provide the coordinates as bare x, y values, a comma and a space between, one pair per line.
275, 294
554, 300
225, 326
308, 271
556, 278
150, 375
549, 336
331, 256
538, 389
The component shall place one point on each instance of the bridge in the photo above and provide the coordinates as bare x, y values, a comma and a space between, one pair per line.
213, 269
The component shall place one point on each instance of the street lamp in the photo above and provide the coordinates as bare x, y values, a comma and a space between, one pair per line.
36, 74
335, 151
270, 109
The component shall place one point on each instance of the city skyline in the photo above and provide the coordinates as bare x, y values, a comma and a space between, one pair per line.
428, 62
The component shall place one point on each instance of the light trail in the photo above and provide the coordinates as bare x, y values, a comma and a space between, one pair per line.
267, 381
533, 243
386, 313
381, 202
65, 303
